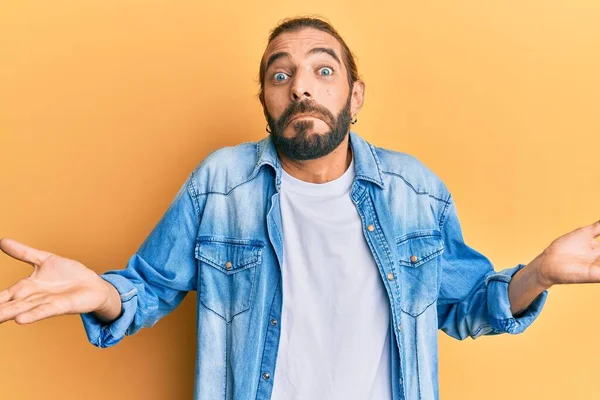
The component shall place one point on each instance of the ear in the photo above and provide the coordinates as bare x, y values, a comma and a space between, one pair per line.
358, 97
261, 97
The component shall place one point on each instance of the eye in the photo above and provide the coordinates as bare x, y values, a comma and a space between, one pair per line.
280, 77
326, 71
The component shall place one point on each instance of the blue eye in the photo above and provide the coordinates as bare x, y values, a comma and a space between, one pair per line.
280, 77
326, 71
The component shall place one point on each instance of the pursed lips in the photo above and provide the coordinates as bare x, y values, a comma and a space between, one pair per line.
304, 116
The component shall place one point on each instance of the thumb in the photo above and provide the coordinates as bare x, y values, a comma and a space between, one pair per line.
22, 252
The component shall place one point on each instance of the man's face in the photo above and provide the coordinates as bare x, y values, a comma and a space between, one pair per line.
307, 99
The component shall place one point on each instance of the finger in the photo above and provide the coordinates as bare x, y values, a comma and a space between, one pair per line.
5, 296
23, 252
31, 296
36, 297
20, 291
595, 228
13, 308
8, 294
42, 311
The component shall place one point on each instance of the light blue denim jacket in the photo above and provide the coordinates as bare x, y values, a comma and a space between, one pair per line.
221, 237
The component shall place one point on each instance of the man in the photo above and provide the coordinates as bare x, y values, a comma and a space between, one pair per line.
324, 265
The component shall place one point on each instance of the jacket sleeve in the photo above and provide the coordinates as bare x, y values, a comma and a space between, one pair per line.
157, 277
473, 298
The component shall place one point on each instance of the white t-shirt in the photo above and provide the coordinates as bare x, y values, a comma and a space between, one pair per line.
335, 320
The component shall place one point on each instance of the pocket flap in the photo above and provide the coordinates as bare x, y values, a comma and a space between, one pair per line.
418, 247
229, 255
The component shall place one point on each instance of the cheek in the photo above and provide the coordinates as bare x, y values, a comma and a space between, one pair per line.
328, 99
275, 103
333, 99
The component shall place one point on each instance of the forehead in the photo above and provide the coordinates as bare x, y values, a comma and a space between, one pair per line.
299, 43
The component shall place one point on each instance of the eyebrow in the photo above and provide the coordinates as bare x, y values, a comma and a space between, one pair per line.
316, 50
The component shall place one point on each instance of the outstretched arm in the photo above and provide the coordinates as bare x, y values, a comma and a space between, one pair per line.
473, 297
118, 302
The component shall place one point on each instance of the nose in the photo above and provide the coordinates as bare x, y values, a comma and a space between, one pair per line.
301, 86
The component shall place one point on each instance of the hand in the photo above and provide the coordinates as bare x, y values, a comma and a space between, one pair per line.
57, 286
572, 258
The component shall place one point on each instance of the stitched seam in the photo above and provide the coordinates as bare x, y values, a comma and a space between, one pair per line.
374, 153
373, 251
383, 241
368, 178
418, 314
239, 312
209, 309
225, 369
278, 232
423, 260
378, 262
193, 193
230, 240
262, 361
361, 196
412, 187
444, 214
417, 358
239, 268
419, 234
257, 148
231, 190
251, 297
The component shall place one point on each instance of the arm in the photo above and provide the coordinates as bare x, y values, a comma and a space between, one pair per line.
118, 302
156, 279
473, 298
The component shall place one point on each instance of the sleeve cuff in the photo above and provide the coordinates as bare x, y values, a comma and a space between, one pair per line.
501, 318
102, 335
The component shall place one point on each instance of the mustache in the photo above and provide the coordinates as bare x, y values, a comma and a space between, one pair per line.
306, 107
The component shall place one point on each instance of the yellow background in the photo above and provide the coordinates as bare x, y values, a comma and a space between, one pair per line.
106, 106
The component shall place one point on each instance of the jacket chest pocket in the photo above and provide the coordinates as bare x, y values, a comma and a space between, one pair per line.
227, 274
419, 261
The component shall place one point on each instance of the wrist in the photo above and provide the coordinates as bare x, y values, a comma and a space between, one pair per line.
536, 266
110, 309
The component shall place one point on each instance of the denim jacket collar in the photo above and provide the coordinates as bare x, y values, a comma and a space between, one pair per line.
366, 162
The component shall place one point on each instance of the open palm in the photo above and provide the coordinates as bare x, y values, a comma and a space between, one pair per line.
573, 257
57, 286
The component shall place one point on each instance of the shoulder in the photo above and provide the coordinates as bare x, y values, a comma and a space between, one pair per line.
406, 169
226, 168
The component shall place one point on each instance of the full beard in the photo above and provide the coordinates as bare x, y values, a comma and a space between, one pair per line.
305, 144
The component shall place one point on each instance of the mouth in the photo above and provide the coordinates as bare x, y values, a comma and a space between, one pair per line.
299, 116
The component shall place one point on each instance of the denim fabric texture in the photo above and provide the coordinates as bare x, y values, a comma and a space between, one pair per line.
221, 236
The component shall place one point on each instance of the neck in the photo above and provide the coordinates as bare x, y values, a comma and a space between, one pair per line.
320, 170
